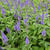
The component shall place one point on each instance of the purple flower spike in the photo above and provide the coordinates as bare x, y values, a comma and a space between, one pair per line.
19, 17
20, 13
1, 48
33, 5
29, 2
8, 30
18, 25
15, 1
46, 6
36, 17
15, 28
39, 15
15, 6
5, 39
20, 4
27, 15
26, 2
47, 14
31, 14
19, 1
25, 20
23, 3
3, 11
43, 10
18, 28
15, 16
38, 7
9, 6
44, 33
27, 40
42, 17
6, 1
42, 22
34, 10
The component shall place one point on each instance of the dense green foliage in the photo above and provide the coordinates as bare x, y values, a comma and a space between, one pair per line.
16, 39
